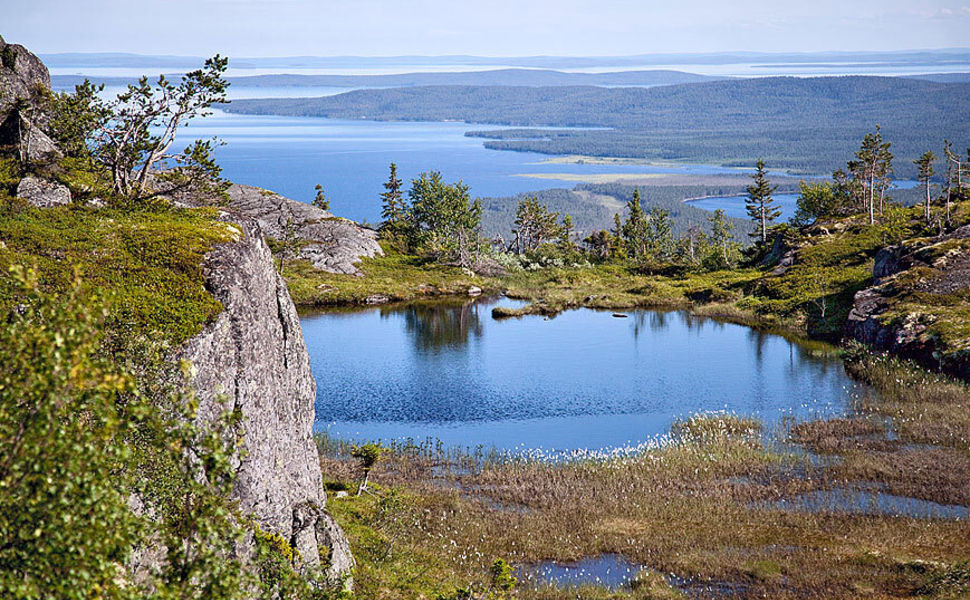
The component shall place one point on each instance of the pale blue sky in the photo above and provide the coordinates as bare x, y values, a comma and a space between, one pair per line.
492, 28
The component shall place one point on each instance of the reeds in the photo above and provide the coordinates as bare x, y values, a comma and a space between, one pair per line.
698, 506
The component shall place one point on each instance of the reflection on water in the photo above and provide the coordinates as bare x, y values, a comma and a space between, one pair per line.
872, 501
607, 570
439, 325
583, 379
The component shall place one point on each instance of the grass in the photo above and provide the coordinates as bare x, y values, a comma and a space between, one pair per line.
398, 277
697, 514
146, 263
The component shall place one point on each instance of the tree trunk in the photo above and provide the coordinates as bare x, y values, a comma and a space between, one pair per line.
764, 225
363, 483
872, 199
927, 183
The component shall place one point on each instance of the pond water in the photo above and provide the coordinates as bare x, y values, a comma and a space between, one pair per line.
872, 501
582, 380
607, 570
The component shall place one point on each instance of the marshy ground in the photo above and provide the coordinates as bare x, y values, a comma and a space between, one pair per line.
716, 509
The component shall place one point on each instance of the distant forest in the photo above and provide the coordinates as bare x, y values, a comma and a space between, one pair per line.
526, 77
804, 125
592, 207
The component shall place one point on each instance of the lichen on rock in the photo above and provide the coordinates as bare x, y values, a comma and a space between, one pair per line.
253, 355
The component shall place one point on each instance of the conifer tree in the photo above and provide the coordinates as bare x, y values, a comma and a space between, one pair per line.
926, 172
392, 200
320, 199
722, 237
660, 233
873, 163
760, 205
635, 228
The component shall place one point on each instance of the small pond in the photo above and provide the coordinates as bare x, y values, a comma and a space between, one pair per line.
584, 379
607, 570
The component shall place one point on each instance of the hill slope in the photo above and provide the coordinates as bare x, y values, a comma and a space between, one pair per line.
805, 124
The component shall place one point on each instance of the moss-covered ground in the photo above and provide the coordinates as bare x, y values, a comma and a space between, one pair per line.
711, 513
146, 264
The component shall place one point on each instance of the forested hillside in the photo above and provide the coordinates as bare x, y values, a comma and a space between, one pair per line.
528, 77
592, 206
805, 125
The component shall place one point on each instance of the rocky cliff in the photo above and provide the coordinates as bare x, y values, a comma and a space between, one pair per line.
22, 76
919, 303
330, 243
254, 356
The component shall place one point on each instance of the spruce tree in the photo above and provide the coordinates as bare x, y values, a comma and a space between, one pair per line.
320, 199
392, 200
722, 238
635, 228
926, 172
760, 205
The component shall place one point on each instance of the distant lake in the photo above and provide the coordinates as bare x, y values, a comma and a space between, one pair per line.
584, 379
733, 206
350, 158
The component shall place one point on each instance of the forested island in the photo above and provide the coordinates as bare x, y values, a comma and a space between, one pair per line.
804, 125
530, 77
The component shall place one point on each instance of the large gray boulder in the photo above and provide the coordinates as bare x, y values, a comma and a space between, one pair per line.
253, 356
42, 192
22, 76
331, 243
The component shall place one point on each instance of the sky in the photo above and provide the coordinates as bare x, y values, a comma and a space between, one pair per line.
483, 27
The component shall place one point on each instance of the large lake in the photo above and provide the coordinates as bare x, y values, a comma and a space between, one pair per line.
582, 380
350, 159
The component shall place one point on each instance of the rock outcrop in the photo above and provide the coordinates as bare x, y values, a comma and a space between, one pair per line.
22, 76
253, 356
330, 243
919, 288
42, 192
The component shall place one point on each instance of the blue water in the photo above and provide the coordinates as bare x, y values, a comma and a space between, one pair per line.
844, 500
582, 380
607, 570
350, 159
733, 206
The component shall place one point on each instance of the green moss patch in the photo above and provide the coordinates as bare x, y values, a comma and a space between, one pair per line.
147, 264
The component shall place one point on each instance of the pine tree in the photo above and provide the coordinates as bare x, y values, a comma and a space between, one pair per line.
722, 237
535, 225
926, 172
873, 163
392, 200
635, 228
760, 205
320, 199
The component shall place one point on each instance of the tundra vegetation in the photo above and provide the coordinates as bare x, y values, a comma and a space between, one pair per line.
721, 506
101, 288
110, 485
